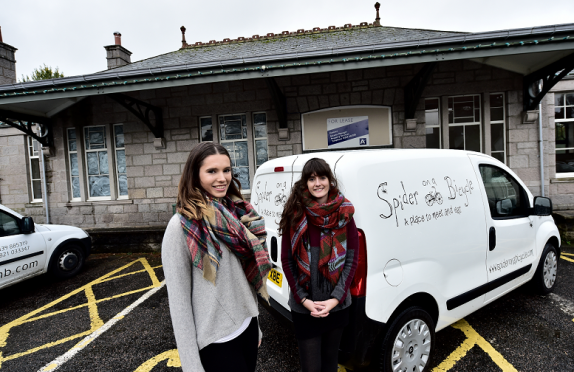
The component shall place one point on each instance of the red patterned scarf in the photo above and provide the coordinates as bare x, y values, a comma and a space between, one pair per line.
332, 217
235, 224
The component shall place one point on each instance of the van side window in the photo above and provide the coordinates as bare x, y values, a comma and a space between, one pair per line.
506, 198
8, 225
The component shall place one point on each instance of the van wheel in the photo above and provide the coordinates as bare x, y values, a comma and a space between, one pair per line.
67, 261
544, 279
408, 343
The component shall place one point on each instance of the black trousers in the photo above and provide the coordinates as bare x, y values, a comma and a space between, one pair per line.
320, 353
237, 355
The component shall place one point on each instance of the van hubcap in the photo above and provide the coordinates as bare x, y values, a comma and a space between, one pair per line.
412, 346
550, 265
68, 261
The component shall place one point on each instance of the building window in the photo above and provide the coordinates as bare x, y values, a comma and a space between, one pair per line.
34, 165
464, 123
97, 162
233, 134
206, 129
564, 120
73, 163
497, 127
432, 123
260, 138
122, 177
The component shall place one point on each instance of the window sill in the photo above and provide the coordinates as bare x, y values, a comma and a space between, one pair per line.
34, 205
98, 202
562, 180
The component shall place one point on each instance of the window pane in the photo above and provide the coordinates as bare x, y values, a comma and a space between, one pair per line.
230, 148
74, 164
71, 134
36, 190
241, 159
206, 129
99, 186
559, 99
259, 119
431, 117
244, 132
496, 114
570, 99
260, 131
503, 192
564, 135
119, 135
472, 136
8, 225
463, 112
35, 163
569, 112
72, 145
72, 140
242, 174
92, 160
476, 115
103, 162
433, 138
243, 120
121, 159
498, 156
95, 138
123, 184
559, 112
431, 104
232, 127
497, 137
456, 138
261, 152
496, 100
75, 187
564, 161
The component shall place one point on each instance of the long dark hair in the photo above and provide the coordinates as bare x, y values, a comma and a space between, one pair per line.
294, 208
191, 201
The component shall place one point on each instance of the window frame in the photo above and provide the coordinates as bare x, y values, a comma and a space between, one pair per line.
523, 195
559, 121
34, 154
464, 125
78, 159
498, 122
439, 125
116, 169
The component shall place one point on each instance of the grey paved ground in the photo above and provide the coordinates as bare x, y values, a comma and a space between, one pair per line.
529, 332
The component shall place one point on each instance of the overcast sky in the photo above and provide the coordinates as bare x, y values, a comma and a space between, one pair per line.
71, 34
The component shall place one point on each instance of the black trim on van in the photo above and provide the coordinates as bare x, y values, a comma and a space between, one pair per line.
462, 299
21, 258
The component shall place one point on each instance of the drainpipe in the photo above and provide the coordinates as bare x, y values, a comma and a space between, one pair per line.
44, 185
541, 144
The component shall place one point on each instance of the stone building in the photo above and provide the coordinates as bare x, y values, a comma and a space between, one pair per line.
115, 142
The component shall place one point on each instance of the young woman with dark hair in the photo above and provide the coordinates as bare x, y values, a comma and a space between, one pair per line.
319, 252
215, 261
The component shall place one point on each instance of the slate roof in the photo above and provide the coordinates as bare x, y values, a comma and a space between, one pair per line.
308, 41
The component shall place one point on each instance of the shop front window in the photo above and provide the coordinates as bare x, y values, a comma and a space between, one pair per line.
464, 123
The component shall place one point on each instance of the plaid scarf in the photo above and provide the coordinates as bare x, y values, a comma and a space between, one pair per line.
332, 217
238, 226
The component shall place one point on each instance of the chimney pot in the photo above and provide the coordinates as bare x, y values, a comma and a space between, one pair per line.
271, 34
1, 34
183, 42
377, 19
118, 38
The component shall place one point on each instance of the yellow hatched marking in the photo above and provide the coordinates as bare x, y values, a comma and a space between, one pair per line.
473, 338
172, 357
567, 258
95, 321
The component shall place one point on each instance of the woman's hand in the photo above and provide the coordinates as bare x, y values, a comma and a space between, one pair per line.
327, 306
313, 307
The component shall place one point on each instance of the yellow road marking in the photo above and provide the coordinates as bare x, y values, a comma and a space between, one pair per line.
172, 357
568, 254
566, 258
473, 338
95, 321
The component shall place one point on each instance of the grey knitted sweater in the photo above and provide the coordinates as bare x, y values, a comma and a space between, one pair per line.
201, 312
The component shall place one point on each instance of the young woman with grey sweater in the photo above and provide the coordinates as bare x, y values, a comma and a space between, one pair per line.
215, 261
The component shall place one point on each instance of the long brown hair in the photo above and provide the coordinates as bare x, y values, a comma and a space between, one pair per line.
191, 201
294, 208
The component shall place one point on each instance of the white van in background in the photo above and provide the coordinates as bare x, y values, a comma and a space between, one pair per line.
442, 232
28, 249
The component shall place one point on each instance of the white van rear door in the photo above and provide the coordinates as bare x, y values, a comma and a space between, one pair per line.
511, 253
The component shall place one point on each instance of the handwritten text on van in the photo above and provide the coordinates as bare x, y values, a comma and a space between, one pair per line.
405, 199
270, 203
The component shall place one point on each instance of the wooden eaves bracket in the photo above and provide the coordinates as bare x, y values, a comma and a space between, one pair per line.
549, 75
414, 89
142, 111
25, 123
280, 107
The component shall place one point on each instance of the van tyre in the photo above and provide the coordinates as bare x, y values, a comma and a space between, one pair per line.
544, 278
67, 261
408, 342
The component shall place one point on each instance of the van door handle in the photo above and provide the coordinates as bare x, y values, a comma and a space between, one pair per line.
491, 238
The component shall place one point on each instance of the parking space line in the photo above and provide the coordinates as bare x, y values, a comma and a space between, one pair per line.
95, 321
567, 258
172, 357
472, 339
59, 361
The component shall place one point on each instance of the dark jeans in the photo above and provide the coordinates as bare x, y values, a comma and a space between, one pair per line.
237, 355
320, 353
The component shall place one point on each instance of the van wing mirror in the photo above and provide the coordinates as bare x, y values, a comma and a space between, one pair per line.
542, 206
27, 225
504, 207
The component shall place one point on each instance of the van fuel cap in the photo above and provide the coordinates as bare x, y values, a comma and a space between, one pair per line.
393, 273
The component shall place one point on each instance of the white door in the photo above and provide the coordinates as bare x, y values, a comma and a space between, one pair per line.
21, 255
511, 251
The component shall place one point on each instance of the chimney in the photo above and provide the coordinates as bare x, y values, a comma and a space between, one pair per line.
7, 63
117, 55
183, 42
378, 19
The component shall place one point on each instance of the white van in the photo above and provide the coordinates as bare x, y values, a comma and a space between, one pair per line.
28, 249
443, 233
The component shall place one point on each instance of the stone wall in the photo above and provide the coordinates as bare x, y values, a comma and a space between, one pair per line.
7, 64
153, 175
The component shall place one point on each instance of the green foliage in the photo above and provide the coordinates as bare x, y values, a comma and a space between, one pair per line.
43, 73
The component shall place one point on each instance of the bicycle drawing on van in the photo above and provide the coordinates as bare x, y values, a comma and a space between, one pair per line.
433, 196
280, 199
